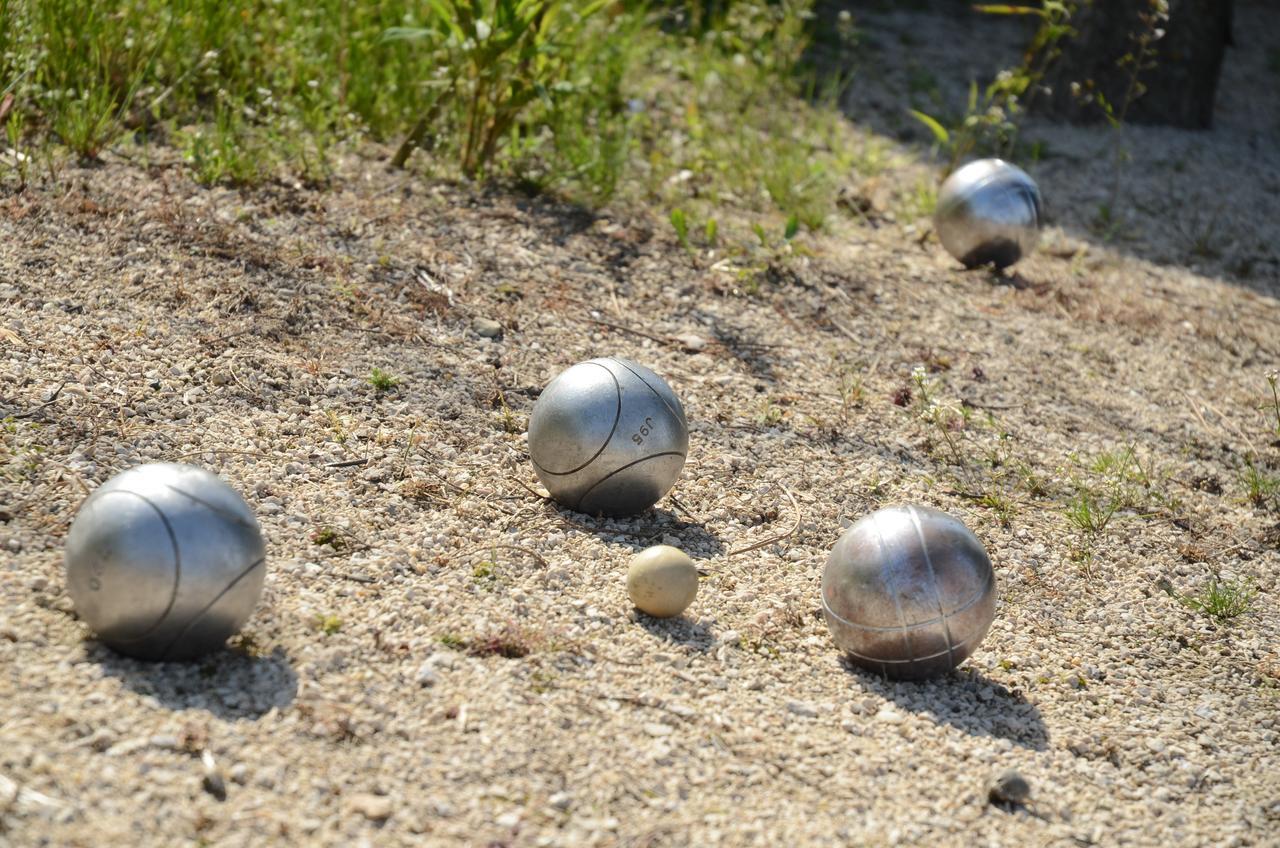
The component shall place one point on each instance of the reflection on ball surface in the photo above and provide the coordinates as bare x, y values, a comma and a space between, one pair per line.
165, 561
908, 592
662, 581
988, 213
608, 436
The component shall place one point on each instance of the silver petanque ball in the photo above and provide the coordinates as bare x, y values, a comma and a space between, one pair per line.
909, 592
165, 561
988, 213
608, 436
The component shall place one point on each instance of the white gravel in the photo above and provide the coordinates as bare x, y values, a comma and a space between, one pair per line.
372, 701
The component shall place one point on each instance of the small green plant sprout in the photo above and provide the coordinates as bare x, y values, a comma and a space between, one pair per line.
680, 223
1259, 486
1090, 512
771, 414
383, 381
485, 573
760, 234
1115, 481
328, 536
328, 624
944, 417
1221, 599
1001, 504
711, 232
340, 434
792, 227
852, 392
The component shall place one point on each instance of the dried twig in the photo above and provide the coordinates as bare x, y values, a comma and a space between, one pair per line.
347, 463
1226, 422
35, 409
203, 451
530, 489
622, 328
684, 509
542, 562
794, 527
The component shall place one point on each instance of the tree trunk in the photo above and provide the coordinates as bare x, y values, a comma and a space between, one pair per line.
1176, 83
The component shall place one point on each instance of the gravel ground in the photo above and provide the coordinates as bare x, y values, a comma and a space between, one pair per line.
442, 656
1186, 198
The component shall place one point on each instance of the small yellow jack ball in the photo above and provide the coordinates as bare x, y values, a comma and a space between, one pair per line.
662, 581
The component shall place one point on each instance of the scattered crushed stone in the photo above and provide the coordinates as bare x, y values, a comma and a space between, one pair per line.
441, 656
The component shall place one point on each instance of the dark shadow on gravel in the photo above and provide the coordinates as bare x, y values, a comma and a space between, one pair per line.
230, 684
965, 699
679, 630
649, 528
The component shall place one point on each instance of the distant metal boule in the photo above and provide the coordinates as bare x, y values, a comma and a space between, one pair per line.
608, 436
988, 213
165, 562
908, 592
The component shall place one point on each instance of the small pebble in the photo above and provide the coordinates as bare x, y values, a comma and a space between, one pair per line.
372, 807
426, 675
692, 342
1009, 788
214, 783
888, 715
800, 708
487, 328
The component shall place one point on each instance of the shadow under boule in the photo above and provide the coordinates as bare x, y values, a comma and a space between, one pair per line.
229, 683
647, 529
965, 699
679, 630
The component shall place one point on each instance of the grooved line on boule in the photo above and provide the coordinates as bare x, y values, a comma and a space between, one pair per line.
677, 416
214, 508
177, 565
583, 497
617, 416
893, 590
883, 628
195, 619
933, 578
887, 661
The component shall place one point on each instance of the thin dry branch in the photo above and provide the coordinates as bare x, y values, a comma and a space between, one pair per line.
542, 562
794, 527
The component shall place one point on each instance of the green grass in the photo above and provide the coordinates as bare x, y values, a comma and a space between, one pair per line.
1259, 486
1114, 482
485, 574
594, 100
383, 381
1221, 600
328, 536
1090, 511
328, 624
